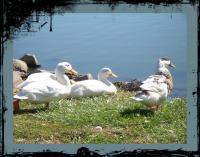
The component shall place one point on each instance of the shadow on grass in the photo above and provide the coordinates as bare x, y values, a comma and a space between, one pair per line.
35, 110
134, 112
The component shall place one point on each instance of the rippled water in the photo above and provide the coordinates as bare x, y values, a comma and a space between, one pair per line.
129, 43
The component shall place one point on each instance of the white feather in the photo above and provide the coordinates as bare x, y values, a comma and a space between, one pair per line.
94, 87
155, 88
44, 87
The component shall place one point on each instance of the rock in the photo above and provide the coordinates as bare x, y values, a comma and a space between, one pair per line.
30, 60
120, 85
83, 77
25, 65
17, 79
19, 65
80, 77
134, 85
98, 129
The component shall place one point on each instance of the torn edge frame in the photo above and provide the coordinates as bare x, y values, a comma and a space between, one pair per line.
189, 149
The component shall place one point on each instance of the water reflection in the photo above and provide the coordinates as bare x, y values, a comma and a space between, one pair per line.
19, 17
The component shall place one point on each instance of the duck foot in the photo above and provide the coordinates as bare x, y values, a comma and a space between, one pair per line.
155, 107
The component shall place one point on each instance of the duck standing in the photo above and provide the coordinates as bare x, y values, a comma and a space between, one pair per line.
155, 89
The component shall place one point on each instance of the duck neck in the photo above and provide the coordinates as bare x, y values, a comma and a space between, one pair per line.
169, 79
169, 85
62, 78
163, 70
104, 80
160, 64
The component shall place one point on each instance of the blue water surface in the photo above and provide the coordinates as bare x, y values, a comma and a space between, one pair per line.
129, 43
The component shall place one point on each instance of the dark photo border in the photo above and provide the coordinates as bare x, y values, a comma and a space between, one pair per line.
85, 150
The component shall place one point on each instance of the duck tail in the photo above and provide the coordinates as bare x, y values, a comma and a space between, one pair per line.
20, 96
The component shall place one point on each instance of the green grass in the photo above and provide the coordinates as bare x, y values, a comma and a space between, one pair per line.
123, 121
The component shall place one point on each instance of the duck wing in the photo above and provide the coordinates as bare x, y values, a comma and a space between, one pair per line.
154, 83
154, 78
42, 91
88, 88
42, 76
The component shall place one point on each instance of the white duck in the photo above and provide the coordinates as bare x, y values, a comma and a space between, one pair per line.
155, 89
44, 87
45, 75
95, 87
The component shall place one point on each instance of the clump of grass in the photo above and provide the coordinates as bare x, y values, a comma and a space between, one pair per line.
122, 120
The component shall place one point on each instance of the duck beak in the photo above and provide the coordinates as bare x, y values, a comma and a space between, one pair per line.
73, 72
172, 65
113, 75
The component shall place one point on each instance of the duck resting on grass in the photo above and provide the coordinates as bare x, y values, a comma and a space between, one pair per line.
155, 89
44, 87
95, 87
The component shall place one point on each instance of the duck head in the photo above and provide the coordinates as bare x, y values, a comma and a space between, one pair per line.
65, 67
106, 72
165, 62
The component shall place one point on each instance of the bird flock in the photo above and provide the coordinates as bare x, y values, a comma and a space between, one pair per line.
43, 87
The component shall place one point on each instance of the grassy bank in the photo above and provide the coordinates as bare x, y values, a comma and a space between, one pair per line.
122, 120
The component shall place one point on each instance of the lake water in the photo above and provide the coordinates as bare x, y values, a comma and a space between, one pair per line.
129, 43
